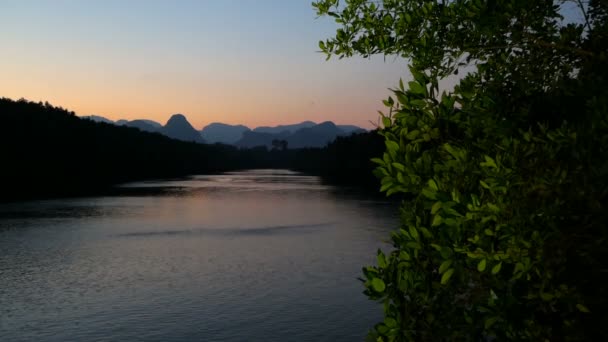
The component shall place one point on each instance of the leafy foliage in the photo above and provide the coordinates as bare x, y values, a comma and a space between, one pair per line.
503, 230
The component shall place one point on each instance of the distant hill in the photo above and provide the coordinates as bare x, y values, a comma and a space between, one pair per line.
316, 136
144, 125
49, 151
223, 133
308, 134
254, 139
97, 118
349, 129
281, 128
179, 128
150, 122
303, 134
133, 123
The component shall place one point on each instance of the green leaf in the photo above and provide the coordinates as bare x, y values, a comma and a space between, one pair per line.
451, 222
398, 166
436, 246
403, 255
496, 268
445, 265
408, 18
378, 285
417, 88
386, 186
446, 276
386, 122
493, 207
490, 322
489, 162
484, 184
391, 145
482, 265
413, 134
582, 308
546, 296
401, 179
445, 252
387, 20
393, 190
378, 161
414, 233
433, 184
429, 194
425, 232
419, 75
418, 103
404, 100
453, 212
452, 151
435, 208
390, 322
475, 200
437, 220
381, 259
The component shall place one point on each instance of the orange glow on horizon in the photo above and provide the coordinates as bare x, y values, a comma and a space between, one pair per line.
246, 63
200, 103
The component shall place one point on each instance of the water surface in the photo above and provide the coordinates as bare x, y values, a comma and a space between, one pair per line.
265, 255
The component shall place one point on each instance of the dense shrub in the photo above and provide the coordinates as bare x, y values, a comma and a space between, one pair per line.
504, 225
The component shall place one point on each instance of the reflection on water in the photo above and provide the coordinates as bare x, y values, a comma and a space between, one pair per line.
247, 256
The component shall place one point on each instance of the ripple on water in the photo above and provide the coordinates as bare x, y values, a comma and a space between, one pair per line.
245, 256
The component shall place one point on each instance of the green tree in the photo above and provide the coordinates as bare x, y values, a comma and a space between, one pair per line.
505, 176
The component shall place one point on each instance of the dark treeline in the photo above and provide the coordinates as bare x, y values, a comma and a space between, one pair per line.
345, 161
48, 151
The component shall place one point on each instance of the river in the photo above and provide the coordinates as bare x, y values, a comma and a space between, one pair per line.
265, 255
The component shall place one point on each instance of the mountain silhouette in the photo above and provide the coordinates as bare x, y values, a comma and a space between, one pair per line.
97, 118
307, 135
282, 128
150, 122
80, 156
316, 136
223, 133
254, 139
350, 129
144, 125
300, 135
179, 128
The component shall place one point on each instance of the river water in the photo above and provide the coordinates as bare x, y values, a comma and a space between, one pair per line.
265, 255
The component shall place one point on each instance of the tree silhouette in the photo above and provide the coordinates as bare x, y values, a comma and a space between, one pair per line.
48, 151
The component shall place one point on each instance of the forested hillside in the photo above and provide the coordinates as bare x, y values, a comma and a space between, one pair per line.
49, 151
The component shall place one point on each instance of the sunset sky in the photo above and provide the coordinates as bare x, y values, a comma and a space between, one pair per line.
252, 62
